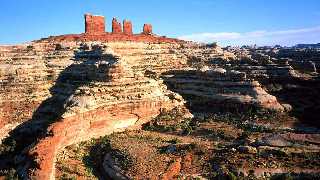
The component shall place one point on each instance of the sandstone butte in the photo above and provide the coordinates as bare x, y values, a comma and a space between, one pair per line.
66, 89
95, 31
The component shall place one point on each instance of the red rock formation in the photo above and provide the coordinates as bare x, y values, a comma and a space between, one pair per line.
147, 29
95, 31
127, 27
109, 37
94, 24
92, 124
116, 26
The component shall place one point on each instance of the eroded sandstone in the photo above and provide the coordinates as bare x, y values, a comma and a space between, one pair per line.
66, 89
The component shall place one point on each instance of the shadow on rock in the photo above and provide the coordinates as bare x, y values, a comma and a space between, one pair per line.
204, 94
302, 96
90, 65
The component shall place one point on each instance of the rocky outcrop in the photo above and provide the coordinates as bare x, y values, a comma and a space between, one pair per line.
127, 27
217, 89
304, 66
116, 26
95, 31
66, 89
147, 29
96, 95
260, 64
94, 24
269, 71
301, 57
77, 91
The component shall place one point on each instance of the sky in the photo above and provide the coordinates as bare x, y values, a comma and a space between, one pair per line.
227, 22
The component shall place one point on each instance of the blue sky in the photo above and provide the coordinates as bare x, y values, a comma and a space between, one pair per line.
229, 22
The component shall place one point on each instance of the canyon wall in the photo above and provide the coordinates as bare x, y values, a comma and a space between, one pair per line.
78, 91
85, 95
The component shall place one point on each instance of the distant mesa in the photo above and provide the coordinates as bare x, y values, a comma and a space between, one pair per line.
95, 30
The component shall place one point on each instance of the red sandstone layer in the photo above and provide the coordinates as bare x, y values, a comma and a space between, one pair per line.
95, 31
110, 37
92, 124
94, 24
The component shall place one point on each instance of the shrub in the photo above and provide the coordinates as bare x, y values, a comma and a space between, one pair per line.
58, 47
10, 174
212, 45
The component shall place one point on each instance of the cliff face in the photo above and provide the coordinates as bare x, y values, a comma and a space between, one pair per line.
58, 94
75, 96
216, 90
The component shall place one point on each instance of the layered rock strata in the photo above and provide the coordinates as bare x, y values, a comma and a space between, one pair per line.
95, 95
269, 71
217, 89
67, 92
